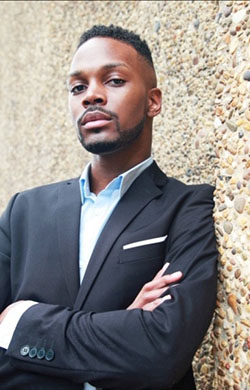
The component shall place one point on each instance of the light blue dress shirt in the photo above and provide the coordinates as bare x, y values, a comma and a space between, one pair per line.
96, 210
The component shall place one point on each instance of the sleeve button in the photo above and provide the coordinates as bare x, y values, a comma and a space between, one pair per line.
41, 354
24, 351
50, 354
33, 352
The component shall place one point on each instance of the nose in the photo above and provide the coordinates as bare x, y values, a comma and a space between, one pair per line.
95, 94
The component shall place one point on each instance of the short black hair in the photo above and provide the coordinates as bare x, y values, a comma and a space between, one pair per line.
119, 34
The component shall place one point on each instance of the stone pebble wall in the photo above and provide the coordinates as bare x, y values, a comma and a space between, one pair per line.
231, 338
202, 57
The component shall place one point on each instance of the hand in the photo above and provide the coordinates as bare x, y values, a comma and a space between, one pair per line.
150, 295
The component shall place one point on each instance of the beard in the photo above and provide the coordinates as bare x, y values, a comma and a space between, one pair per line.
124, 137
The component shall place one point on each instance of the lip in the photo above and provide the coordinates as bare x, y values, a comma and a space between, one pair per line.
92, 119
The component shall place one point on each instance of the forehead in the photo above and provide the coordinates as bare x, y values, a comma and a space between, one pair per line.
99, 51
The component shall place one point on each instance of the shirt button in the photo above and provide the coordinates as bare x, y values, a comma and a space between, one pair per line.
50, 354
33, 352
41, 354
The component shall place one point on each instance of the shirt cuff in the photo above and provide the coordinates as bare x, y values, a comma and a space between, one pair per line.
9, 324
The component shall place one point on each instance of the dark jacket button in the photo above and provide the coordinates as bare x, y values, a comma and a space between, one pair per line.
41, 353
50, 354
33, 352
24, 351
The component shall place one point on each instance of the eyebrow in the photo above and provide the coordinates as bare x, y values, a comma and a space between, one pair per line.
104, 67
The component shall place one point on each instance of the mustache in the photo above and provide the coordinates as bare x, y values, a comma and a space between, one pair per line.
96, 108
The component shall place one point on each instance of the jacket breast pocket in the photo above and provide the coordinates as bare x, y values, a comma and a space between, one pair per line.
151, 252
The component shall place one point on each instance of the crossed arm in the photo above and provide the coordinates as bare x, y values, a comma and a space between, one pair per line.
148, 298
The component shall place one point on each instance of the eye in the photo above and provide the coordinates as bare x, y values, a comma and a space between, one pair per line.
77, 89
116, 82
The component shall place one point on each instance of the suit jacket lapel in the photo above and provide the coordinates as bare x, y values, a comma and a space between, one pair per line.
68, 222
142, 191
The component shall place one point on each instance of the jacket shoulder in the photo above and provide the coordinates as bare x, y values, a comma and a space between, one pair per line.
179, 185
46, 188
40, 195
172, 184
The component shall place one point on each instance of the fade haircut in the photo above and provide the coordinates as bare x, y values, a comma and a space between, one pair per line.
119, 34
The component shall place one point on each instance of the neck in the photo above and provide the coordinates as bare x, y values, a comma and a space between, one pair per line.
105, 168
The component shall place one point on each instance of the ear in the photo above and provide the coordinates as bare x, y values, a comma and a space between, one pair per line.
154, 102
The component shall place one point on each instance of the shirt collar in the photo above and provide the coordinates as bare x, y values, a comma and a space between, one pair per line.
121, 182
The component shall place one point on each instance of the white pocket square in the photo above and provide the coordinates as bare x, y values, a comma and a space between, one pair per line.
145, 242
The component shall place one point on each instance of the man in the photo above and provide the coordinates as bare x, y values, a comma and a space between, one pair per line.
80, 265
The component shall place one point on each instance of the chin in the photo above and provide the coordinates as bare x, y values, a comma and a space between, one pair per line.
103, 148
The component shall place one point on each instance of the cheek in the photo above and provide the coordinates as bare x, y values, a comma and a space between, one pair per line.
133, 108
75, 107
71, 106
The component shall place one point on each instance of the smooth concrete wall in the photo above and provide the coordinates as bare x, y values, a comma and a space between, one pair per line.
201, 53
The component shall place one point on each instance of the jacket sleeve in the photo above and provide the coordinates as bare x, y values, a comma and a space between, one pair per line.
5, 255
135, 347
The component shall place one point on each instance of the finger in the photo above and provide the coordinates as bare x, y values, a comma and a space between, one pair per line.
153, 295
147, 297
162, 270
162, 281
166, 298
157, 302
172, 278
155, 284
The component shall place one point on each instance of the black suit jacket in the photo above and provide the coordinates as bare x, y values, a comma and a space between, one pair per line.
85, 330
